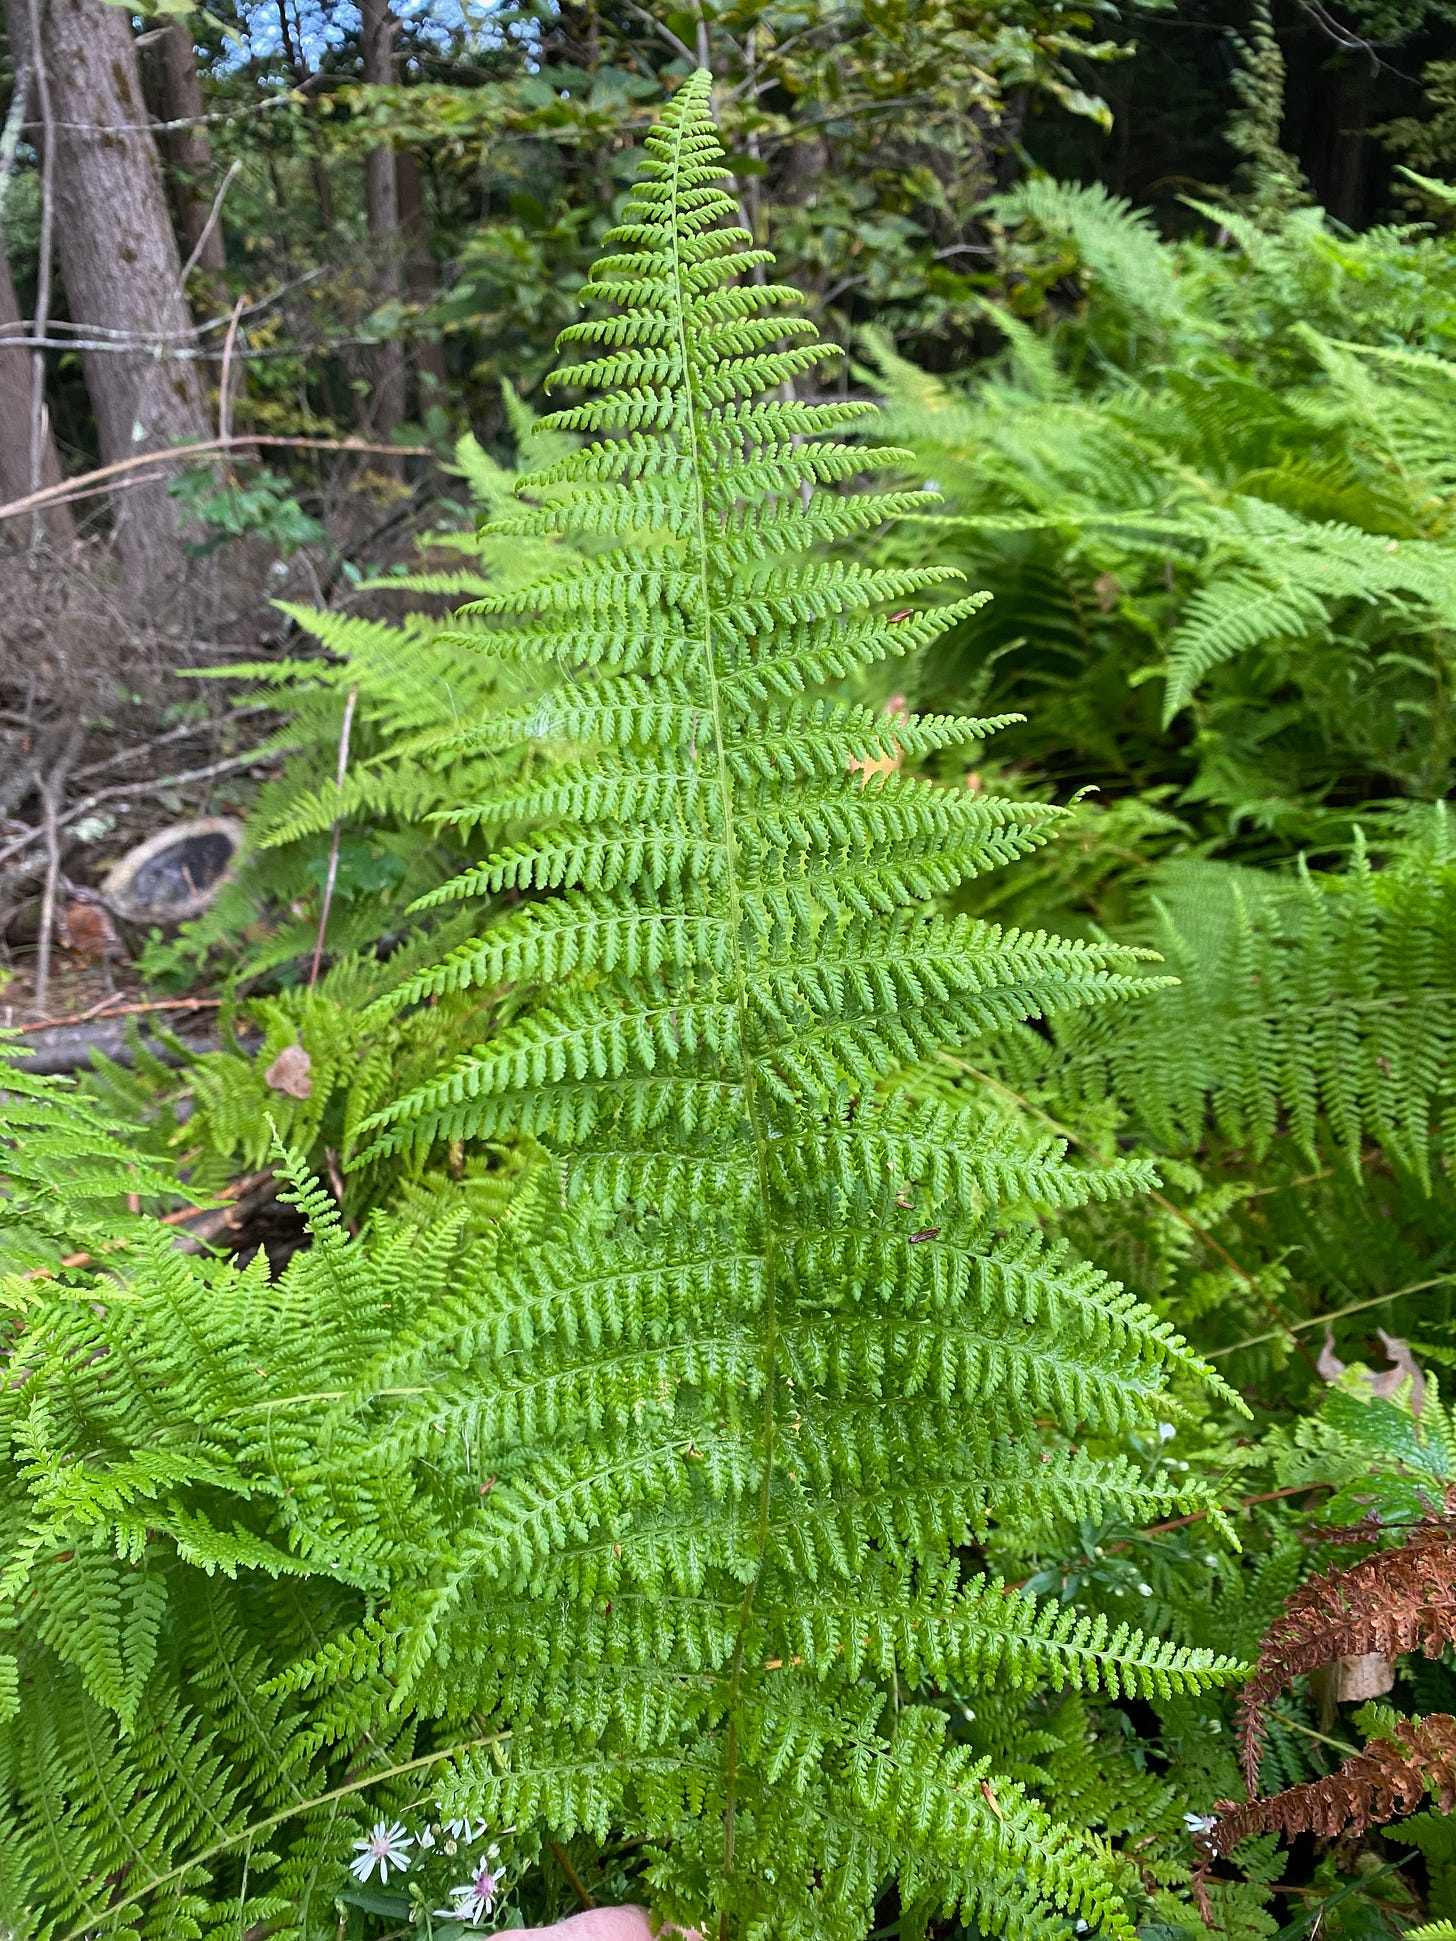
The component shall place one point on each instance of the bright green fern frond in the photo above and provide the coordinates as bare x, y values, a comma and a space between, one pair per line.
782, 1335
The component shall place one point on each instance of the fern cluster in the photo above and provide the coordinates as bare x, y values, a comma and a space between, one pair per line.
647, 1510
1215, 516
1314, 1008
71, 1176
1213, 500
416, 710
715, 1473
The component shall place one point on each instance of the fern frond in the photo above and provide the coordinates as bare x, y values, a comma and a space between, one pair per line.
787, 1339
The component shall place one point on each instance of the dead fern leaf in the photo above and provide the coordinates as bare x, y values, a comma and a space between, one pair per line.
1391, 1602
1387, 1780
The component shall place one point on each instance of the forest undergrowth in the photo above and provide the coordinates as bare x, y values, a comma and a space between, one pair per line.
876, 1163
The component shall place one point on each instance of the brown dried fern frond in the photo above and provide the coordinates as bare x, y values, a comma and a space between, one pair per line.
1391, 1602
1388, 1779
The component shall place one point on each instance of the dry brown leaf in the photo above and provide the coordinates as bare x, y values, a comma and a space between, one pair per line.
87, 931
1402, 1364
291, 1073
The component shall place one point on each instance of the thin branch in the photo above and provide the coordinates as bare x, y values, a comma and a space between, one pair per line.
107, 1008
224, 400
1338, 1314
86, 484
121, 789
1244, 1503
578, 1885
45, 250
50, 796
180, 733
207, 228
1353, 43
666, 33
1336, 1745
848, 112
332, 877
175, 126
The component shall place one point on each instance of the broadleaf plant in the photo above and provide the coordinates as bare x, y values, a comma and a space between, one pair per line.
783, 1336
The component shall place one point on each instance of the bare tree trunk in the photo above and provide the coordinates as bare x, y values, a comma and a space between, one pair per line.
177, 94
421, 277
118, 259
15, 399
381, 194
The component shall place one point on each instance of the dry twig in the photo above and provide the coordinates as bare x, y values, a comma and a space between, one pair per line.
87, 484
329, 880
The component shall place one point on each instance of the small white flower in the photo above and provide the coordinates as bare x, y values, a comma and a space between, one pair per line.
463, 1830
426, 1840
1166, 1432
1199, 1822
473, 1898
387, 1846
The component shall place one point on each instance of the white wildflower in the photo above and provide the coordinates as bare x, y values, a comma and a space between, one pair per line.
474, 1898
1199, 1822
387, 1846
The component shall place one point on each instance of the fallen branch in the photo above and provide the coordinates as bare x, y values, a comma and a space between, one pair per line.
87, 484
108, 1008
68, 1048
119, 790
200, 1224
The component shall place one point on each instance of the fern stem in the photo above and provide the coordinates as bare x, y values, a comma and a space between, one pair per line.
1341, 1746
578, 1886
1338, 1314
724, 783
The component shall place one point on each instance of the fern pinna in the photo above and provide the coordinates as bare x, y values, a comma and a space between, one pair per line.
730, 1426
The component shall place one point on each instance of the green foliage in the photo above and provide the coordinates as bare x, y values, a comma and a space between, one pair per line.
68, 1169
725, 1384
160, 1573
715, 1460
1227, 483
645, 1504
1197, 492
1313, 1009
418, 710
1273, 182
263, 506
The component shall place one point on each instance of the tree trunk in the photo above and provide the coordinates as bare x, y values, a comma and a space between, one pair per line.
381, 195
15, 423
118, 259
421, 276
177, 95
